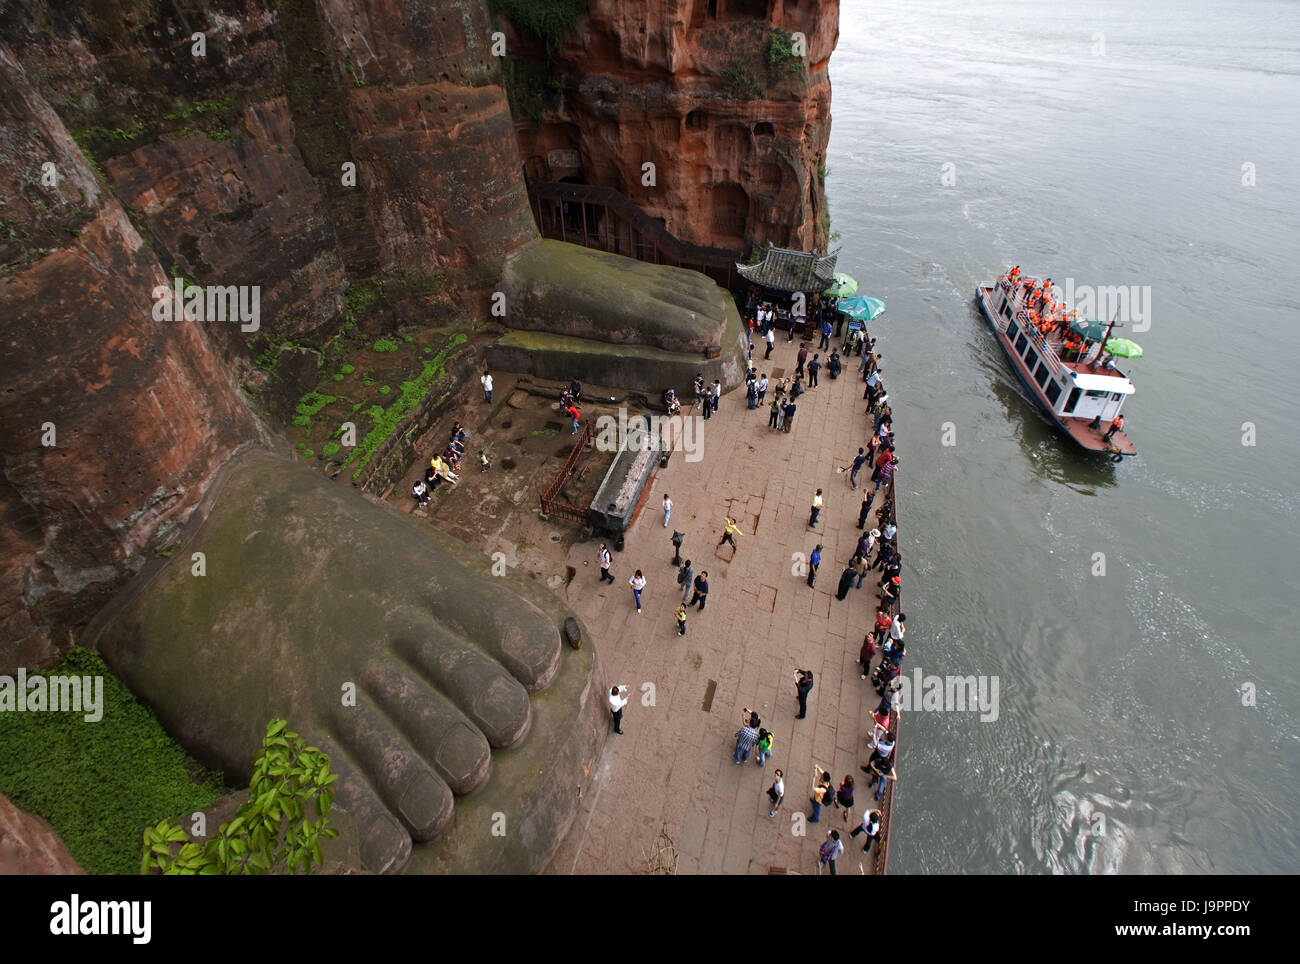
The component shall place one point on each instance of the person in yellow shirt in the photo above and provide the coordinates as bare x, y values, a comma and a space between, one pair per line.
729, 533
442, 470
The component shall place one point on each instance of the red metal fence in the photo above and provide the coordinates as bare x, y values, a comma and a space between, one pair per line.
551, 505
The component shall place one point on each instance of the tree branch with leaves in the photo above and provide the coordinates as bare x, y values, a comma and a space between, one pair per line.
278, 829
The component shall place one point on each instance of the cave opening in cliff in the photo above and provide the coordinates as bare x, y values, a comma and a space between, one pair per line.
746, 9
730, 206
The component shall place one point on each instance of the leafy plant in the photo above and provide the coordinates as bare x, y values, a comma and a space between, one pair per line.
272, 830
547, 20
385, 344
780, 52
740, 82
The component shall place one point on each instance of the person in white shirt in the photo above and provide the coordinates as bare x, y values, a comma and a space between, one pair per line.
817, 504
776, 793
618, 700
487, 386
770, 338
605, 561
637, 583
889, 531
896, 629
668, 509
870, 826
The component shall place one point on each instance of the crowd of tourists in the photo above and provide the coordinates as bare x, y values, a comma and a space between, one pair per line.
875, 555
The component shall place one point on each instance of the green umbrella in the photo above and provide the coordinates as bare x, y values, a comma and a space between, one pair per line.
842, 287
861, 307
1124, 348
1091, 330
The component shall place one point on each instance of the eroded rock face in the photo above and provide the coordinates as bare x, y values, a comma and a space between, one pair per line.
224, 169
738, 143
110, 423
29, 845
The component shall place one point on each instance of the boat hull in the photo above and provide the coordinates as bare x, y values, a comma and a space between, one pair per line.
1076, 429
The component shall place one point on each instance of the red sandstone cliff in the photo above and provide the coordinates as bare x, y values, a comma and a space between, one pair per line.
226, 169
230, 169
739, 143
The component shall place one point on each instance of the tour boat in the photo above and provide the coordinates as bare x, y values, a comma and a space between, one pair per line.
1072, 387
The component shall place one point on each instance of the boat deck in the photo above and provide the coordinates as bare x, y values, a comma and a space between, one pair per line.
1079, 429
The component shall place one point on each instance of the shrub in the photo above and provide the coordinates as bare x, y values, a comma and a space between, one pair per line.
272, 830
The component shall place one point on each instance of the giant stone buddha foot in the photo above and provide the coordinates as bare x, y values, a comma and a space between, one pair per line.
441, 692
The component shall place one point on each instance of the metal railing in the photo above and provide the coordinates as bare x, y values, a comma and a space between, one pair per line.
887, 801
551, 504
1026, 324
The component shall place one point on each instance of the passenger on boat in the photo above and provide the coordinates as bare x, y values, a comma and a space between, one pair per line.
1115, 426
1014, 274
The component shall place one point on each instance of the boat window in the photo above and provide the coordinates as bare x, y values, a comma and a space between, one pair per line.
1021, 342
1116, 396
1012, 330
1031, 359
1093, 393
1053, 392
1006, 310
1042, 375
1073, 400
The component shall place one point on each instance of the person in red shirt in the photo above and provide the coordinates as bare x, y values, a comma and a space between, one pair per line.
883, 622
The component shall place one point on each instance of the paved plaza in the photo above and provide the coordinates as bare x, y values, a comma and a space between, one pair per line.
672, 772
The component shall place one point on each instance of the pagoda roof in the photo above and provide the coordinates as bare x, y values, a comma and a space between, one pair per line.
787, 270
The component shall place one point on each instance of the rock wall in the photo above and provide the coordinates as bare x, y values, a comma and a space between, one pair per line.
355, 162
110, 423
136, 158
738, 141
29, 845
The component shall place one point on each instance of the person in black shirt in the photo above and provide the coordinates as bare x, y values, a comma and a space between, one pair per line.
701, 590
803, 684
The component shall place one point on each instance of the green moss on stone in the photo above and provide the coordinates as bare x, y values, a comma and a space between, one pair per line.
387, 419
100, 785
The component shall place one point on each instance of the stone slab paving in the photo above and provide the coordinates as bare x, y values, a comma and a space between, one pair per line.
672, 770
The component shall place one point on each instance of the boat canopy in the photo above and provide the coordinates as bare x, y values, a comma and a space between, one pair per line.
1104, 383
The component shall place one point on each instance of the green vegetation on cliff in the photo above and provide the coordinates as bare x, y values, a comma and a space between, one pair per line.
548, 20
100, 784
780, 52
386, 420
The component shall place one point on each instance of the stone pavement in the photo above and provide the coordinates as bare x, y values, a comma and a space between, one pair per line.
672, 770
